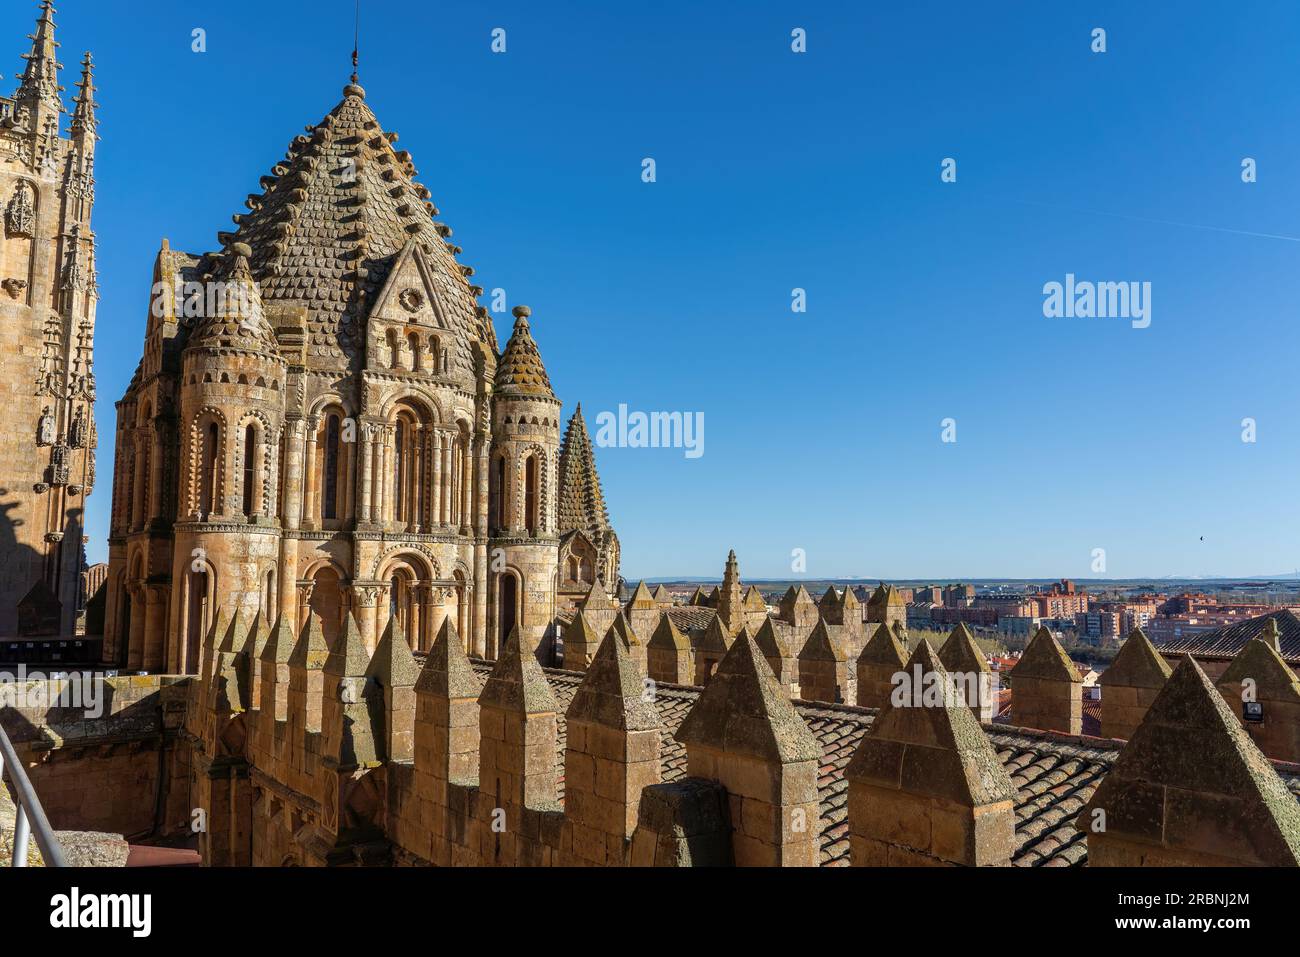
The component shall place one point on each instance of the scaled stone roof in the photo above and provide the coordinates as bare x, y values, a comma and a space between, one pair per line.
330, 220
581, 501
1227, 641
520, 371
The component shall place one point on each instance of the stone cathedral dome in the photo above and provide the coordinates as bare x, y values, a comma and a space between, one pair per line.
327, 228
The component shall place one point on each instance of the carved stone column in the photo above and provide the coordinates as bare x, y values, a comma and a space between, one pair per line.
365, 501
305, 586
310, 481
293, 454
365, 599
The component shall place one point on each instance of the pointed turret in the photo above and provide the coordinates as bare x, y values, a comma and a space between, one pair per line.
581, 500
1045, 687
731, 599
40, 91
236, 319
520, 372
84, 119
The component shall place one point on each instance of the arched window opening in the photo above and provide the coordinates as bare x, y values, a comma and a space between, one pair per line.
573, 568
198, 619
208, 470
250, 468
584, 572
530, 494
330, 491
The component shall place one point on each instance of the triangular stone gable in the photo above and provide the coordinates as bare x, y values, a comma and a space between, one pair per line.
394, 304
662, 595
1045, 658
236, 635
961, 654
1191, 780
597, 598
613, 692
1137, 665
447, 672
931, 745
517, 683
742, 710
698, 598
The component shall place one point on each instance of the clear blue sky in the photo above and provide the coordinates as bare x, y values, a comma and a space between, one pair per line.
820, 171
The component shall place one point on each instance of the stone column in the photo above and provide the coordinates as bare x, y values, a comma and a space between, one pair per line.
467, 490
435, 478
293, 466
445, 492
387, 488
310, 504
365, 598
135, 646
365, 503
305, 587
155, 628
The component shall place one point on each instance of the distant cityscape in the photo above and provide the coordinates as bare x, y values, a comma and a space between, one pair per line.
1092, 624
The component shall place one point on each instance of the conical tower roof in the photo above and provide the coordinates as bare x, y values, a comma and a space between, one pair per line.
237, 319
331, 220
521, 371
582, 502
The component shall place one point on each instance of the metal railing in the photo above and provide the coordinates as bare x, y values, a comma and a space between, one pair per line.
31, 817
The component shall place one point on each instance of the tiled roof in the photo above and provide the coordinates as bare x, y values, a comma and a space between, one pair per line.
691, 617
1225, 642
1054, 774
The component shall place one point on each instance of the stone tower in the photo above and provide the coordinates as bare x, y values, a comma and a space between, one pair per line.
522, 513
47, 325
323, 424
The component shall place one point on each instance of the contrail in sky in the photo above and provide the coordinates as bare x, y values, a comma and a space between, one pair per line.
1161, 222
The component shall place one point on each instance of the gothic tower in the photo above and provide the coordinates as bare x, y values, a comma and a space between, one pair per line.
47, 324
